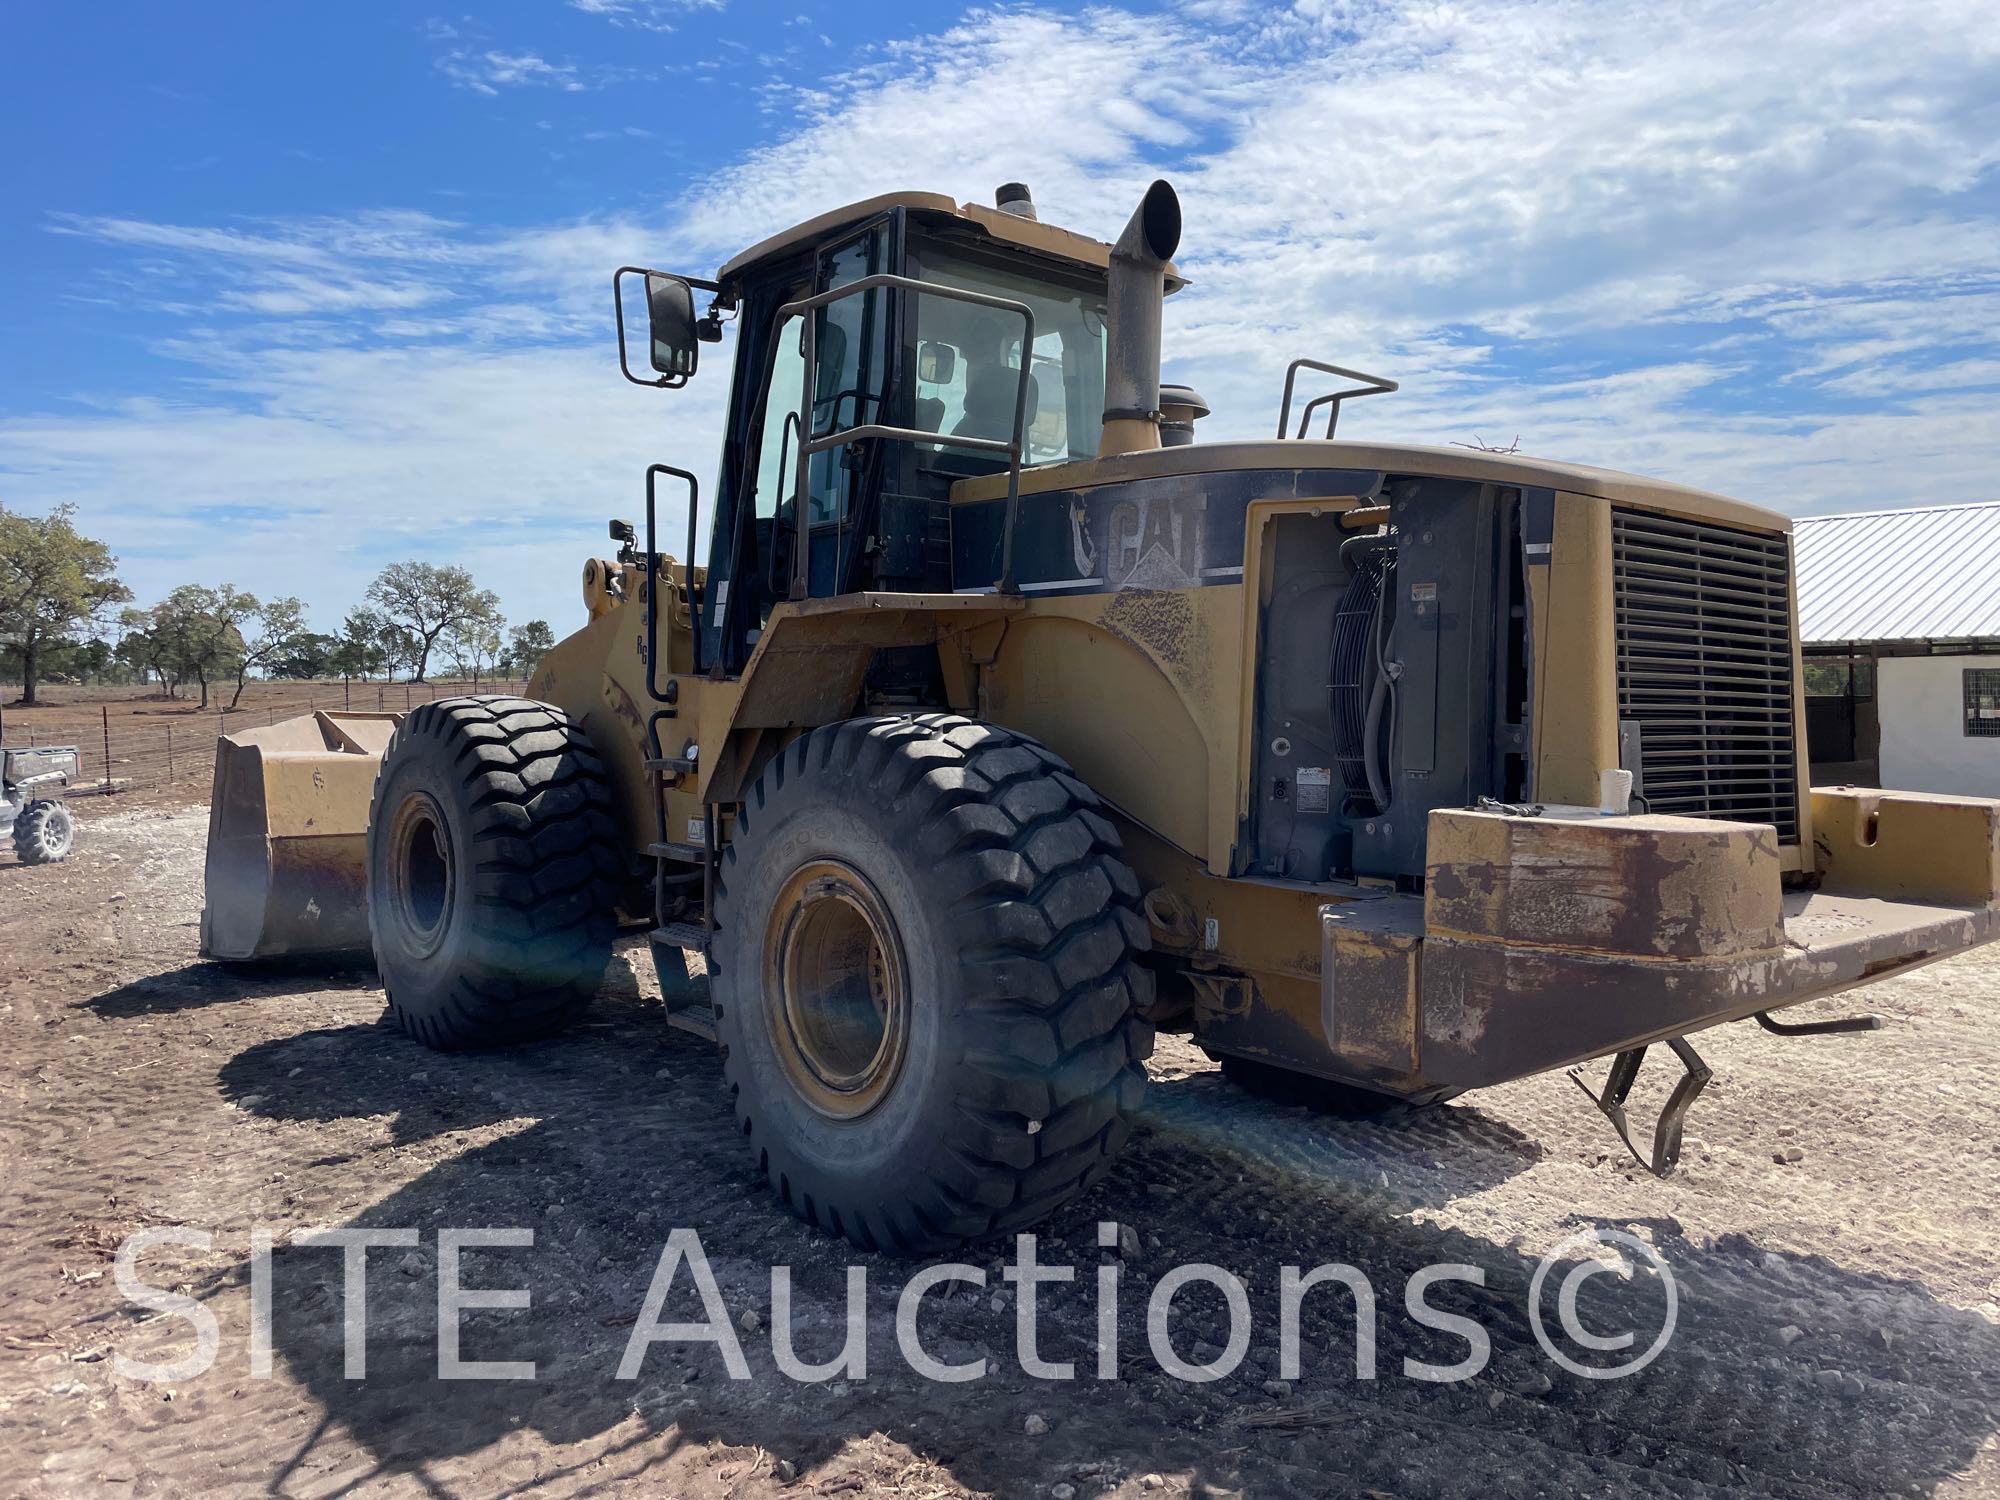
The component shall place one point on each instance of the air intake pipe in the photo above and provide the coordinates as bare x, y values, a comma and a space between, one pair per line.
1138, 285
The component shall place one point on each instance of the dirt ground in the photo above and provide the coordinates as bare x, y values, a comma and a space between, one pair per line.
1837, 1330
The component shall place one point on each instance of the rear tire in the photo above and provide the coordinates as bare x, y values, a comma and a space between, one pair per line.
493, 872
927, 980
44, 833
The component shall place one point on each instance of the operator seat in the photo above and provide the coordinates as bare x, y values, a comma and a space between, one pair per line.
989, 403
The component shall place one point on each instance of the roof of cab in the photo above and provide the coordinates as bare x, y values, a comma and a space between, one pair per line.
1029, 234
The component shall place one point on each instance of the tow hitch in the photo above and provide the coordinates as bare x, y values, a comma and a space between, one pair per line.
1618, 1087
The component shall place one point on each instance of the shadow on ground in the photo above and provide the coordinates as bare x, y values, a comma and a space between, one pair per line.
622, 1134
199, 985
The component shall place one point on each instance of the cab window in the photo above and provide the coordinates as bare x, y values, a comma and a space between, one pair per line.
778, 450
969, 362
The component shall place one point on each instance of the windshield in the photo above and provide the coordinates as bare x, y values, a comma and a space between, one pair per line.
969, 360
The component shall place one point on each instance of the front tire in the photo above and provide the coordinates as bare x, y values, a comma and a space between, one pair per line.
493, 872
44, 833
926, 975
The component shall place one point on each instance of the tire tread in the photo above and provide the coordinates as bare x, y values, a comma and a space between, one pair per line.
1044, 1038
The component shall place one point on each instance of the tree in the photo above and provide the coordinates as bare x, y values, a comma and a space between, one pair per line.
474, 643
360, 652
527, 645
423, 601
311, 654
90, 659
51, 581
146, 648
279, 624
195, 633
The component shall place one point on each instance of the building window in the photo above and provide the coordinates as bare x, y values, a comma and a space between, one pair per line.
1982, 701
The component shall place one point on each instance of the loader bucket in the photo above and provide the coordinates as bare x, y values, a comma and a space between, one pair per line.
287, 872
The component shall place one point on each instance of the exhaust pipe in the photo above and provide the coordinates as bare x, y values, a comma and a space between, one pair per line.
1138, 284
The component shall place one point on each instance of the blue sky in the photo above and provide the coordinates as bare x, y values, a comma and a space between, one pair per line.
295, 291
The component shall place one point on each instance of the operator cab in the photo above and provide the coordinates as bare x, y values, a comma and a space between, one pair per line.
894, 357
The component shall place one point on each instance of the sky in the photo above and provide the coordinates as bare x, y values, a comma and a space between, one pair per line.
292, 292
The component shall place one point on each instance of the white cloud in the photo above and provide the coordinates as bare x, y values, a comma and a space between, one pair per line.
489, 70
647, 15
1750, 247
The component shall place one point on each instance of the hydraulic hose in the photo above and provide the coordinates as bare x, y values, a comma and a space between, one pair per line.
1381, 697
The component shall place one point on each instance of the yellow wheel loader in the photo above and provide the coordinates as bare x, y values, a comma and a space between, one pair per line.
1006, 723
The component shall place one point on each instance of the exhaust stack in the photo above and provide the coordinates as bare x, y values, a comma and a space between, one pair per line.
1138, 284
1014, 198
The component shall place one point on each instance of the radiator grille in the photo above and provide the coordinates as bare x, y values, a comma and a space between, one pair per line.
1705, 667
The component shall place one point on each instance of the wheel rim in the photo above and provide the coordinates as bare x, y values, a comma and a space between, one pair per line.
58, 832
836, 990
423, 878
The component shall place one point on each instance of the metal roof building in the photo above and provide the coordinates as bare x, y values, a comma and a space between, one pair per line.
1926, 574
1899, 620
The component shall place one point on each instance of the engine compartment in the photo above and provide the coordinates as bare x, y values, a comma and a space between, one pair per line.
1394, 674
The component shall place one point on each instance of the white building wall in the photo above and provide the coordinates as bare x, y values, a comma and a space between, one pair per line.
1921, 702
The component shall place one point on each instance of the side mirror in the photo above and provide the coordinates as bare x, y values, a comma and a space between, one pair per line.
936, 362
670, 325
673, 335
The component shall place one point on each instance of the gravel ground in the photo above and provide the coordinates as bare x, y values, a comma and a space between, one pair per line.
1832, 1241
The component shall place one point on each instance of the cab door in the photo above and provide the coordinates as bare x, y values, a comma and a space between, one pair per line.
852, 338
755, 546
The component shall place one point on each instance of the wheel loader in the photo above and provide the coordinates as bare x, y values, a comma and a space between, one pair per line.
1005, 723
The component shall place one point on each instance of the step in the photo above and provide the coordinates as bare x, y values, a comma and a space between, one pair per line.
673, 765
700, 1023
684, 996
687, 854
682, 935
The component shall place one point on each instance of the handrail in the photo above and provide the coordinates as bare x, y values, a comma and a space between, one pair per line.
784, 450
1375, 385
811, 443
654, 576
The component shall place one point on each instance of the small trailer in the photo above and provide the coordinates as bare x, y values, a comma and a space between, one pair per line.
32, 783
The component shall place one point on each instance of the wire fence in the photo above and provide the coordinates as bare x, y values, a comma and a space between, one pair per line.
141, 744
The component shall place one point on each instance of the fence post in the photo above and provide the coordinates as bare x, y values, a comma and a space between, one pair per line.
104, 709
343, 692
170, 752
